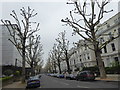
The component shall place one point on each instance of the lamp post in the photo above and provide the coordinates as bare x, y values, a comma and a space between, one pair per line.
16, 62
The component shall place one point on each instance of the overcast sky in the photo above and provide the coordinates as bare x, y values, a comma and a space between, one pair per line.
49, 16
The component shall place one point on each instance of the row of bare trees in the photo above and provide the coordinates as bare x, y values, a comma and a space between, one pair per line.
25, 39
85, 21
59, 53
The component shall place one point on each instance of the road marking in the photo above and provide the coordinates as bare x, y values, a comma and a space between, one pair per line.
82, 86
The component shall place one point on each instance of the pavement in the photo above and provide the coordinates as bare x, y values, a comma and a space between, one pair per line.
107, 79
16, 85
110, 78
47, 81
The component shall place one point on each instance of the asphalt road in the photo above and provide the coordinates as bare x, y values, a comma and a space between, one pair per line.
52, 82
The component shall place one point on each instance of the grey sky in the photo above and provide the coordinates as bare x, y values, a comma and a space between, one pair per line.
49, 16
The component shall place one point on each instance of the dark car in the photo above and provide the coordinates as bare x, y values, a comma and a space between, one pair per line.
60, 76
85, 75
54, 75
70, 76
33, 82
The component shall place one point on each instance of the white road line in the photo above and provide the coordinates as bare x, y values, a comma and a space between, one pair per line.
82, 86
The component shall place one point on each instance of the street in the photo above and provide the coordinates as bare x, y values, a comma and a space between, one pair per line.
52, 82
48, 82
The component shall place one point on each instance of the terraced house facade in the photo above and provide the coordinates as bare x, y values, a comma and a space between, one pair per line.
85, 57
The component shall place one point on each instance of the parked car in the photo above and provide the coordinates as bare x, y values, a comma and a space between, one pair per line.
73, 77
54, 75
39, 75
70, 76
33, 82
49, 74
85, 75
60, 76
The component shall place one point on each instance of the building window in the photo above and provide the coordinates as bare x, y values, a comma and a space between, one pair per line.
113, 46
116, 59
105, 49
84, 57
88, 56
101, 51
80, 60
74, 61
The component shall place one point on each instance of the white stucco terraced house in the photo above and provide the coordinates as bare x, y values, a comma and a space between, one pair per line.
110, 53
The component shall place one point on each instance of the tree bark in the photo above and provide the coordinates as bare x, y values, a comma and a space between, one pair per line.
32, 71
100, 63
59, 67
23, 62
97, 51
67, 61
54, 68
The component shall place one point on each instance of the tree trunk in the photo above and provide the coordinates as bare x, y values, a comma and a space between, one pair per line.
100, 63
59, 67
32, 71
54, 68
67, 61
23, 62
33, 67
98, 54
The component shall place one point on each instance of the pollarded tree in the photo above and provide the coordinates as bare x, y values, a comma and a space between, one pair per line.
34, 53
52, 60
49, 67
21, 31
57, 51
84, 21
64, 46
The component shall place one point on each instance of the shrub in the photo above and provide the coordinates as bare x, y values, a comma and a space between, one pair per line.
113, 70
109, 70
93, 69
8, 72
6, 78
17, 73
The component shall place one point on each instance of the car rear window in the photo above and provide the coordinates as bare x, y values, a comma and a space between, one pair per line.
90, 73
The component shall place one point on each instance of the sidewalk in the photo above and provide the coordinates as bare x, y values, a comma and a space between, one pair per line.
16, 85
110, 78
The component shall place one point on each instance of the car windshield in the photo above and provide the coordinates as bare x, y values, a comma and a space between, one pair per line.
33, 78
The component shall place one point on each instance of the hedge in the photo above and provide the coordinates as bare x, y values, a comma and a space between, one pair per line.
113, 70
109, 70
6, 78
